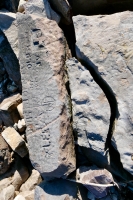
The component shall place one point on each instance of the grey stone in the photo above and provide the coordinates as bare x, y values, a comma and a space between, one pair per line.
41, 8
107, 44
5, 156
8, 110
10, 60
15, 141
57, 189
9, 27
90, 122
45, 99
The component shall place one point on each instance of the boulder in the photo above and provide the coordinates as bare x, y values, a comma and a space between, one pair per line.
4, 183
15, 141
95, 176
9, 27
7, 193
10, 60
57, 189
20, 110
21, 125
8, 110
90, 122
5, 156
107, 45
28, 195
33, 180
45, 99
19, 197
41, 8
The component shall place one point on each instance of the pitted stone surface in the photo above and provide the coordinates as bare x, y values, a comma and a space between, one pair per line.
107, 42
89, 121
45, 100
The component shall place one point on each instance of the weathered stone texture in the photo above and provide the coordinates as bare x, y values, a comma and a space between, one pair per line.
57, 189
90, 122
107, 42
45, 100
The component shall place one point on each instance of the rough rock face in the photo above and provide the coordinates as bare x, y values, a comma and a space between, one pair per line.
90, 123
9, 27
57, 189
41, 8
108, 44
7, 54
45, 99
5, 156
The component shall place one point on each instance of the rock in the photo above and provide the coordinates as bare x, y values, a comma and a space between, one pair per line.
41, 8
87, 175
9, 26
28, 195
90, 123
11, 88
19, 197
33, 180
20, 173
10, 60
21, 125
5, 156
15, 141
8, 110
58, 189
20, 110
63, 7
112, 54
46, 106
7, 193
4, 183
21, 7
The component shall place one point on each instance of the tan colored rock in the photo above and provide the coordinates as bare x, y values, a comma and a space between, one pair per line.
7, 193
5, 183
21, 125
21, 7
20, 110
15, 141
5, 156
8, 112
28, 195
32, 181
19, 197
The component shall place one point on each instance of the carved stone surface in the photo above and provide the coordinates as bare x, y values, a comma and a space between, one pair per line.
45, 99
90, 123
107, 42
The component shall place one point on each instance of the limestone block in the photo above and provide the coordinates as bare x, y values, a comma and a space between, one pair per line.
107, 45
33, 180
8, 111
7, 193
20, 110
15, 141
45, 99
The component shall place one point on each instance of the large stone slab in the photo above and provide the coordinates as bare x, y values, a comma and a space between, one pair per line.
45, 99
89, 106
107, 42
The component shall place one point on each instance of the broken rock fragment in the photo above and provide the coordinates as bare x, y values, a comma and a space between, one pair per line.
45, 99
15, 141
108, 45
